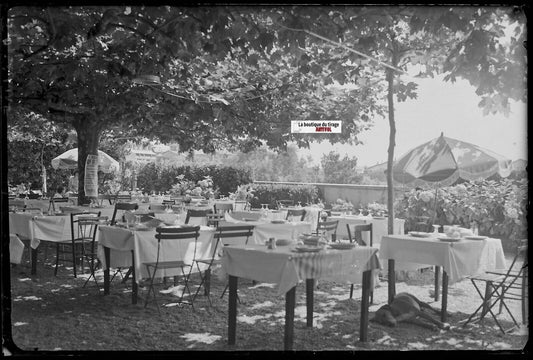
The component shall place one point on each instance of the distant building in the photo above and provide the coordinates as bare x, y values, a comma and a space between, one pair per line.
378, 168
169, 156
140, 156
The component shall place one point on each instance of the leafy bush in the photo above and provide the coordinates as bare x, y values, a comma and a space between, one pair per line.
159, 178
269, 193
498, 207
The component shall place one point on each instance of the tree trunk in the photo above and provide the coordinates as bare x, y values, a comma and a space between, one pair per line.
88, 139
392, 140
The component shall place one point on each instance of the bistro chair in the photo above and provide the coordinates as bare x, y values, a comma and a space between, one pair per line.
213, 219
165, 236
225, 235
87, 227
197, 216
358, 238
358, 234
118, 211
71, 251
169, 202
295, 214
123, 198
504, 286
222, 208
59, 200
329, 228
122, 207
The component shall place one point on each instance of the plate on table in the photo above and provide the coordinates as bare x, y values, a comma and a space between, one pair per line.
448, 239
277, 221
475, 237
342, 246
283, 242
419, 234
304, 248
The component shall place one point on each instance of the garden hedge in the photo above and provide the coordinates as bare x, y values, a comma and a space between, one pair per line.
159, 178
498, 207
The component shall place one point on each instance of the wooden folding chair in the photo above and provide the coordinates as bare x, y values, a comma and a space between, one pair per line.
295, 214
329, 228
164, 235
225, 235
502, 286
358, 238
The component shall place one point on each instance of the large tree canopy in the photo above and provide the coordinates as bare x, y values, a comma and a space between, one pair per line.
223, 76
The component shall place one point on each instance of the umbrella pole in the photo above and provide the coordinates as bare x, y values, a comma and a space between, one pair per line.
435, 206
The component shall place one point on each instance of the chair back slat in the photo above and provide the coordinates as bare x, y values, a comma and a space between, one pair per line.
122, 206
197, 213
295, 213
222, 207
189, 232
330, 227
358, 233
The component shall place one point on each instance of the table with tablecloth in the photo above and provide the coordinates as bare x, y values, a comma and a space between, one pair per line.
129, 247
286, 268
458, 259
265, 229
37, 228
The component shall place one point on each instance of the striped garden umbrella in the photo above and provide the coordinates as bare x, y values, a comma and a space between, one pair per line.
69, 160
443, 160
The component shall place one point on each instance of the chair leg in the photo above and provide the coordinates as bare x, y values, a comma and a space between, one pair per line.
151, 289
74, 259
57, 259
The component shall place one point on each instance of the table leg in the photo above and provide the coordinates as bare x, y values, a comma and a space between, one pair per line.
309, 297
33, 261
134, 289
290, 301
363, 326
444, 310
107, 256
392, 281
232, 309
437, 276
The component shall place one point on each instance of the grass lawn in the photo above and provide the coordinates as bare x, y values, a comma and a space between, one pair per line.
57, 314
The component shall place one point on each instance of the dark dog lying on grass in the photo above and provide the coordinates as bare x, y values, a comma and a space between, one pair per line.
407, 308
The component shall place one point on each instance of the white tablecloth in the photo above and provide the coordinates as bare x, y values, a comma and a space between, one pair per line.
287, 269
263, 230
16, 248
53, 228
122, 241
458, 259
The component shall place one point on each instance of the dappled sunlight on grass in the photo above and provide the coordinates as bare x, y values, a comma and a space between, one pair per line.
48, 312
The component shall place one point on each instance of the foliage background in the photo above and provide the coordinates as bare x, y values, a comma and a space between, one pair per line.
499, 207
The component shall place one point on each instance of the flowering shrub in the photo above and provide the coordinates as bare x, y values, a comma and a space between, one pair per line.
202, 187
376, 209
341, 205
269, 193
243, 192
498, 207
